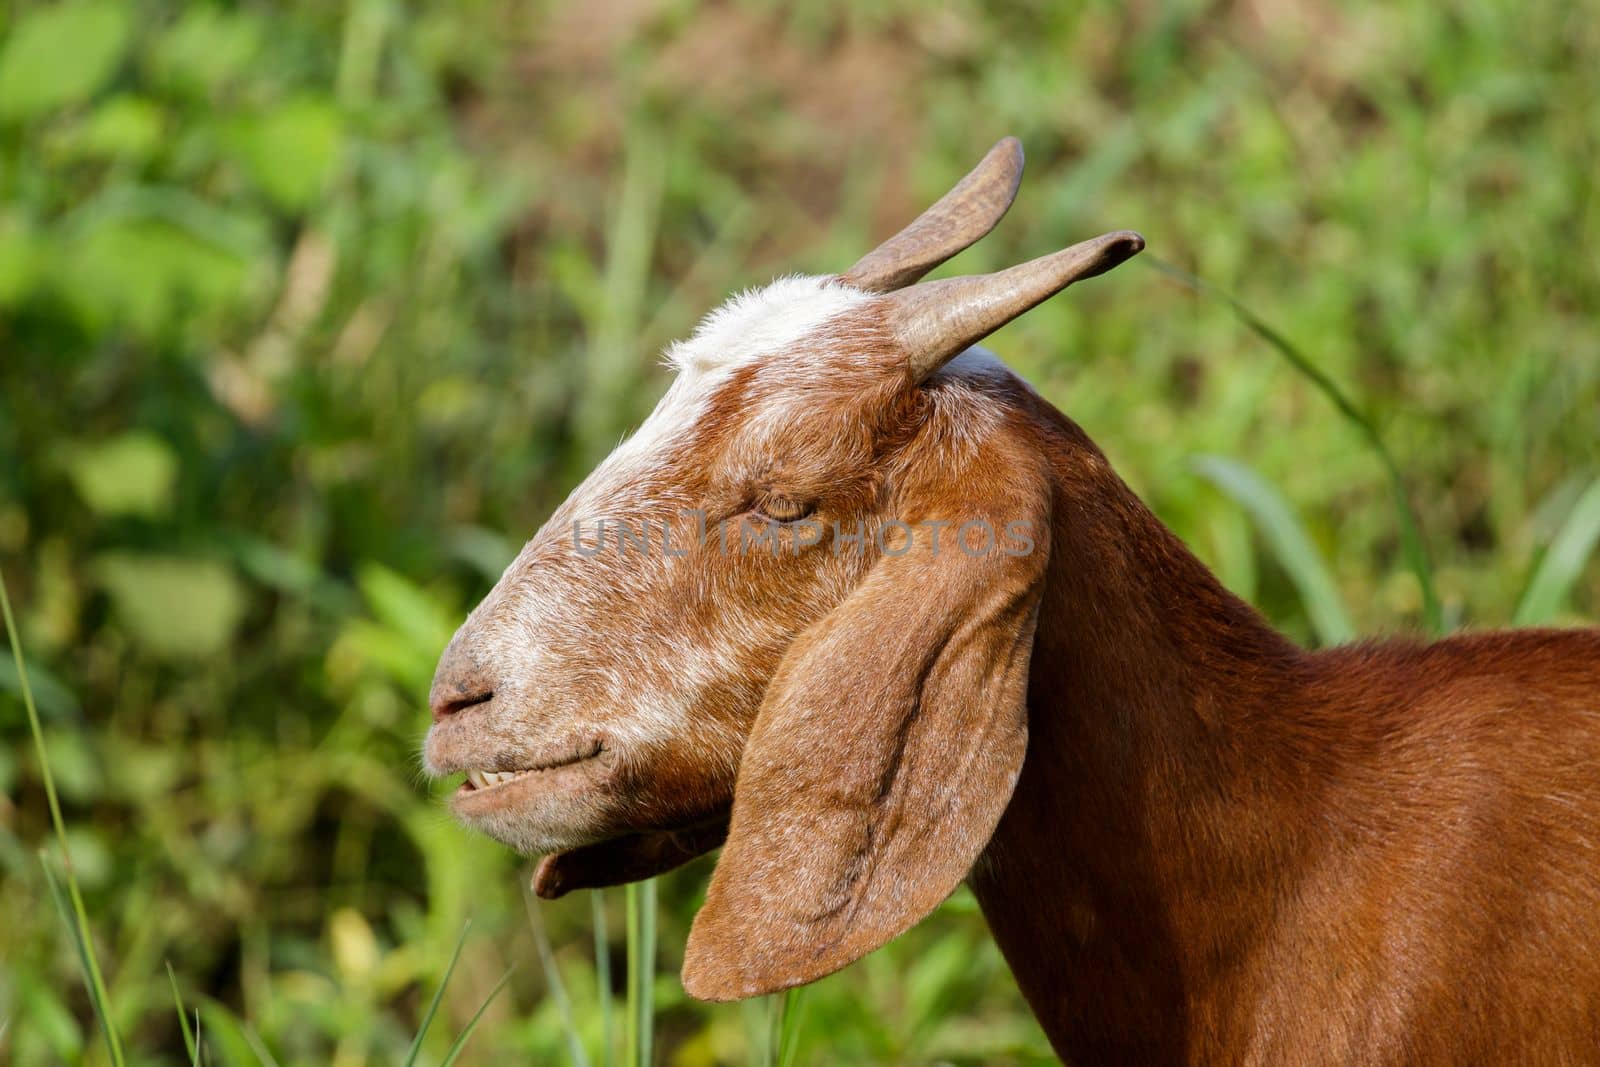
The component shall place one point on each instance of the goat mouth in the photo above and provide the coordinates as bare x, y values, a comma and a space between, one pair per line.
485, 782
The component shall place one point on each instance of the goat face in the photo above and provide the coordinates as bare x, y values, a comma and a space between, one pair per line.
622, 656
745, 612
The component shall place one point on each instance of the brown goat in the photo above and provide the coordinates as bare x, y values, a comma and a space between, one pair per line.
1193, 841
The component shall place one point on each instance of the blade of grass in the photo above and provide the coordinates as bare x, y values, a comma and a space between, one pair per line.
64, 910
640, 1024
756, 1015
552, 978
79, 921
438, 995
617, 308
1289, 542
183, 1019
1563, 562
776, 1007
472, 1023
602, 975
1412, 544
258, 1046
234, 1031
791, 1026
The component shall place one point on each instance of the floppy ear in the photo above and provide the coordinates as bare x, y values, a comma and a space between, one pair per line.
884, 752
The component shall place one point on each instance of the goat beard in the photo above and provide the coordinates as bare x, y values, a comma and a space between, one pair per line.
629, 858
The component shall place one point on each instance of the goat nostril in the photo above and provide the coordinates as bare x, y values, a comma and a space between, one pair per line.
444, 707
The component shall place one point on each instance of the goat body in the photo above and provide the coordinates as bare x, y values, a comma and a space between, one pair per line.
1194, 842
1223, 849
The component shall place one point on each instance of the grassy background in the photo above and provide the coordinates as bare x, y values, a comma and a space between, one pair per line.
310, 312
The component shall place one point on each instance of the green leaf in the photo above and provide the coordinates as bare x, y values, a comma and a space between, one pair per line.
407, 610
92, 861
176, 607
289, 572
55, 700
238, 1041
22, 251
1289, 542
49, 1018
290, 151
1563, 564
145, 274
488, 552
125, 128
60, 55
132, 474
206, 48
410, 631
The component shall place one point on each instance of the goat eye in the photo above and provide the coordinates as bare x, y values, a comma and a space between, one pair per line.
782, 509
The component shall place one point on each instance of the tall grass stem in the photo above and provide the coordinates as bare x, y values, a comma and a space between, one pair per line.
190, 1044
791, 1016
438, 997
553, 980
80, 915
1290, 542
460, 1043
602, 976
1563, 562
640, 1024
1412, 544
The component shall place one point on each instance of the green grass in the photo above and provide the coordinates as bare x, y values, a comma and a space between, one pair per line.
459, 1045
191, 1034
557, 986
1316, 588
1560, 570
1289, 543
310, 313
602, 977
438, 996
639, 1027
77, 920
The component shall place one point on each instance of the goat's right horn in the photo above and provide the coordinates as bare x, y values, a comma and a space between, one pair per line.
954, 223
937, 321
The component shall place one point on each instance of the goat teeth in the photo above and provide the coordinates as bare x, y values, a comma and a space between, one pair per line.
485, 779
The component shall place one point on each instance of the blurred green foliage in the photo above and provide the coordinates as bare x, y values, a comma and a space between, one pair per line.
310, 311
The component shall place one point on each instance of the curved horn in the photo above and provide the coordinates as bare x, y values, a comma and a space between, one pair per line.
955, 222
936, 321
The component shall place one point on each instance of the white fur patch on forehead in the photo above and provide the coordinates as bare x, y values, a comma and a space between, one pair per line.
751, 325
758, 322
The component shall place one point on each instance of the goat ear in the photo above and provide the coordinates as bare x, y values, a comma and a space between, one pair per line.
883, 754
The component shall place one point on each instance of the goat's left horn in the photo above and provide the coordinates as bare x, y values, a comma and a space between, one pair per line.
936, 321
955, 222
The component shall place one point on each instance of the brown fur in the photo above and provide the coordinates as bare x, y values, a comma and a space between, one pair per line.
1194, 842
1223, 849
